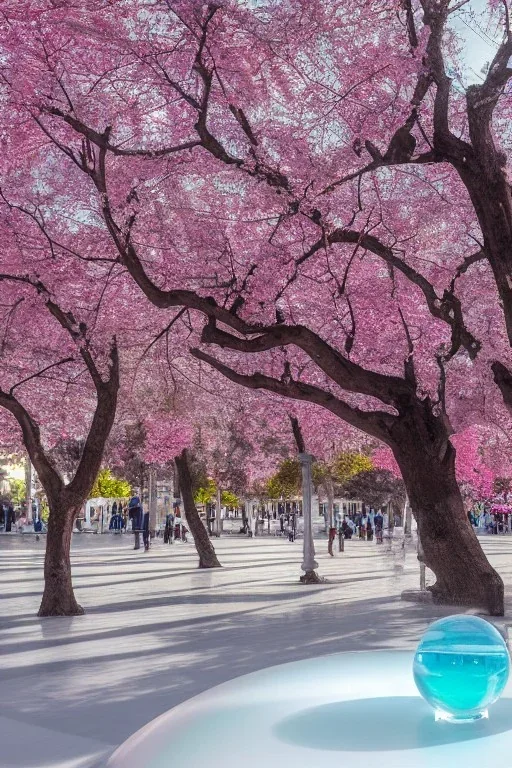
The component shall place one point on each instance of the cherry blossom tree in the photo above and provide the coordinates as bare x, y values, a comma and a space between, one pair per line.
172, 438
40, 368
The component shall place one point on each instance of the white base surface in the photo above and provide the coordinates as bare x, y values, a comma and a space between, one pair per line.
31, 746
158, 631
352, 709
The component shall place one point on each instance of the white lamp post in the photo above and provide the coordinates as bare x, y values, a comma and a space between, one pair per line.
28, 489
309, 564
152, 492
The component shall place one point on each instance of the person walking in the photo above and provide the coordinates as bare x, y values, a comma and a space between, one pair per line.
136, 516
346, 529
291, 528
10, 517
330, 543
379, 527
145, 531
169, 528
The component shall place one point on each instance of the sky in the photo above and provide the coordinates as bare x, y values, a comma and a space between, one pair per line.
482, 38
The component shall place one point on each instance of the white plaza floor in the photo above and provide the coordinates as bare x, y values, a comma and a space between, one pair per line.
158, 631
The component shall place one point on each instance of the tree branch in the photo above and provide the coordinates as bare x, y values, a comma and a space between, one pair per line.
376, 423
447, 308
101, 142
297, 434
482, 100
103, 418
40, 373
503, 378
47, 473
351, 377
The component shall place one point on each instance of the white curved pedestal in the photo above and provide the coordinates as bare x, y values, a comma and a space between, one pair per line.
348, 710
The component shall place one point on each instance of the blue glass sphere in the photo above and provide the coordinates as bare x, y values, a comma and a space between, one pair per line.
461, 667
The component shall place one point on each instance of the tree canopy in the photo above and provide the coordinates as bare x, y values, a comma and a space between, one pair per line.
108, 486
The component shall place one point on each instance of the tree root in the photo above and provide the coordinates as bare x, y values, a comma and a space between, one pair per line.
311, 577
491, 600
60, 610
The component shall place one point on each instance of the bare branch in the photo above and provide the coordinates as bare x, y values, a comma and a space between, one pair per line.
40, 373
164, 331
410, 23
468, 261
410, 373
458, 6
100, 140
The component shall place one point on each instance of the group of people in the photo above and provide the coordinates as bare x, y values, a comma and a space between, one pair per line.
491, 521
118, 518
12, 521
362, 525
7, 515
140, 522
174, 529
288, 525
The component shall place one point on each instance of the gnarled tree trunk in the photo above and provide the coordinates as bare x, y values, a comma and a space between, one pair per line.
452, 551
58, 596
204, 547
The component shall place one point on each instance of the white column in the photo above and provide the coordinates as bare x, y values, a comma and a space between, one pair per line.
423, 575
28, 489
309, 563
330, 503
152, 500
252, 517
407, 517
218, 521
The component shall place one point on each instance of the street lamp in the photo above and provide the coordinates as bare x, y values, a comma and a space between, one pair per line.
309, 563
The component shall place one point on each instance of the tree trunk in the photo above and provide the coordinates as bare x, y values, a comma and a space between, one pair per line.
451, 549
491, 197
58, 596
330, 542
503, 378
204, 547
490, 194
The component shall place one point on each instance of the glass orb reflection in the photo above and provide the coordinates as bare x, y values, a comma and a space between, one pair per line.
461, 667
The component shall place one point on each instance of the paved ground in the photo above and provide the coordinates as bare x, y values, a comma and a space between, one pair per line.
158, 631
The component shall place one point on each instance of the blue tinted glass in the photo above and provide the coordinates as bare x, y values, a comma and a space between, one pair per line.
461, 666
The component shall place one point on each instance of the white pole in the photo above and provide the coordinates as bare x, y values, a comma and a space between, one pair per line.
28, 489
309, 564
407, 517
423, 574
253, 518
152, 501
330, 502
218, 521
